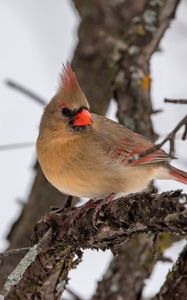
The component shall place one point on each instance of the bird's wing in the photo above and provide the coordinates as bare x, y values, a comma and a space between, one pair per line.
123, 144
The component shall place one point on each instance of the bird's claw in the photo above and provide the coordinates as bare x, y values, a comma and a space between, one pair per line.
96, 214
82, 210
99, 207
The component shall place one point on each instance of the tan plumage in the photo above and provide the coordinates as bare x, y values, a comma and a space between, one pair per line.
87, 155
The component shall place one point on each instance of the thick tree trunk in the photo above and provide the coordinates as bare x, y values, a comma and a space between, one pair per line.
144, 25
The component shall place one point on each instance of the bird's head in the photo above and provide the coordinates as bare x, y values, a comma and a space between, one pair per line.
68, 112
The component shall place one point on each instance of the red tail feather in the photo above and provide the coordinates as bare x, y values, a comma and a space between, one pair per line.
178, 175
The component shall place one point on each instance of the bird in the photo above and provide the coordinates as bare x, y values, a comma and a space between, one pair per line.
88, 155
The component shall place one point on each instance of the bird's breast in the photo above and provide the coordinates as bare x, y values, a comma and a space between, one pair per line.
77, 170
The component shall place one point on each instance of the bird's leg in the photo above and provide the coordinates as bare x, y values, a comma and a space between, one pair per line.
99, 207
68, 202
83, 209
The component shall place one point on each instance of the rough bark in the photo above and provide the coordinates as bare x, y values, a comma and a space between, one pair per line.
175, 286
120, 221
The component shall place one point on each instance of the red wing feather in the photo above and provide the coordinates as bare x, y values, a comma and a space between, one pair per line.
122, 144
155, 157
128, 150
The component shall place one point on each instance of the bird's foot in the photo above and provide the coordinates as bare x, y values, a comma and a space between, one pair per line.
68, 204
99, 207
82, 210
68, 201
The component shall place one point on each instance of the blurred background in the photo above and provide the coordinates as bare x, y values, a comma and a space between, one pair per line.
36, 38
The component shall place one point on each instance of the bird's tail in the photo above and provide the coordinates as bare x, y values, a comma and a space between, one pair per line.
178, 175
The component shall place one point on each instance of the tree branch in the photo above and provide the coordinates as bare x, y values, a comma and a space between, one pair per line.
15, 277
16, 146
144, 23
25, 91
175, 101
175, 285
169, 138
123, 219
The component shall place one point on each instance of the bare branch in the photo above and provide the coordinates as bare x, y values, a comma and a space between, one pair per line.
175, 101
184, 136
175, 285
16, 146
123, 219
170, 138
8, 262
167, 12
73, 294
25, 91
15, 277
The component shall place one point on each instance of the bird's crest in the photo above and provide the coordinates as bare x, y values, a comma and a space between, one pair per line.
69, 91
68, 78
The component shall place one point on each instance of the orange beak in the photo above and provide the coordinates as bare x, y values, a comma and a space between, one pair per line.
83, 118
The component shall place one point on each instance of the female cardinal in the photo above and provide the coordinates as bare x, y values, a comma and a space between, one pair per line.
88, 155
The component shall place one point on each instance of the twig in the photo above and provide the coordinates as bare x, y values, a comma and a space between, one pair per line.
170, 138
184, 136
15, 277
25, 91
156, 111
72, 293
31, 95
175, 101
16, 146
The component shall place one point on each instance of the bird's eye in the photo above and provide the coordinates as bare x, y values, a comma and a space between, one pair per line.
66, 112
